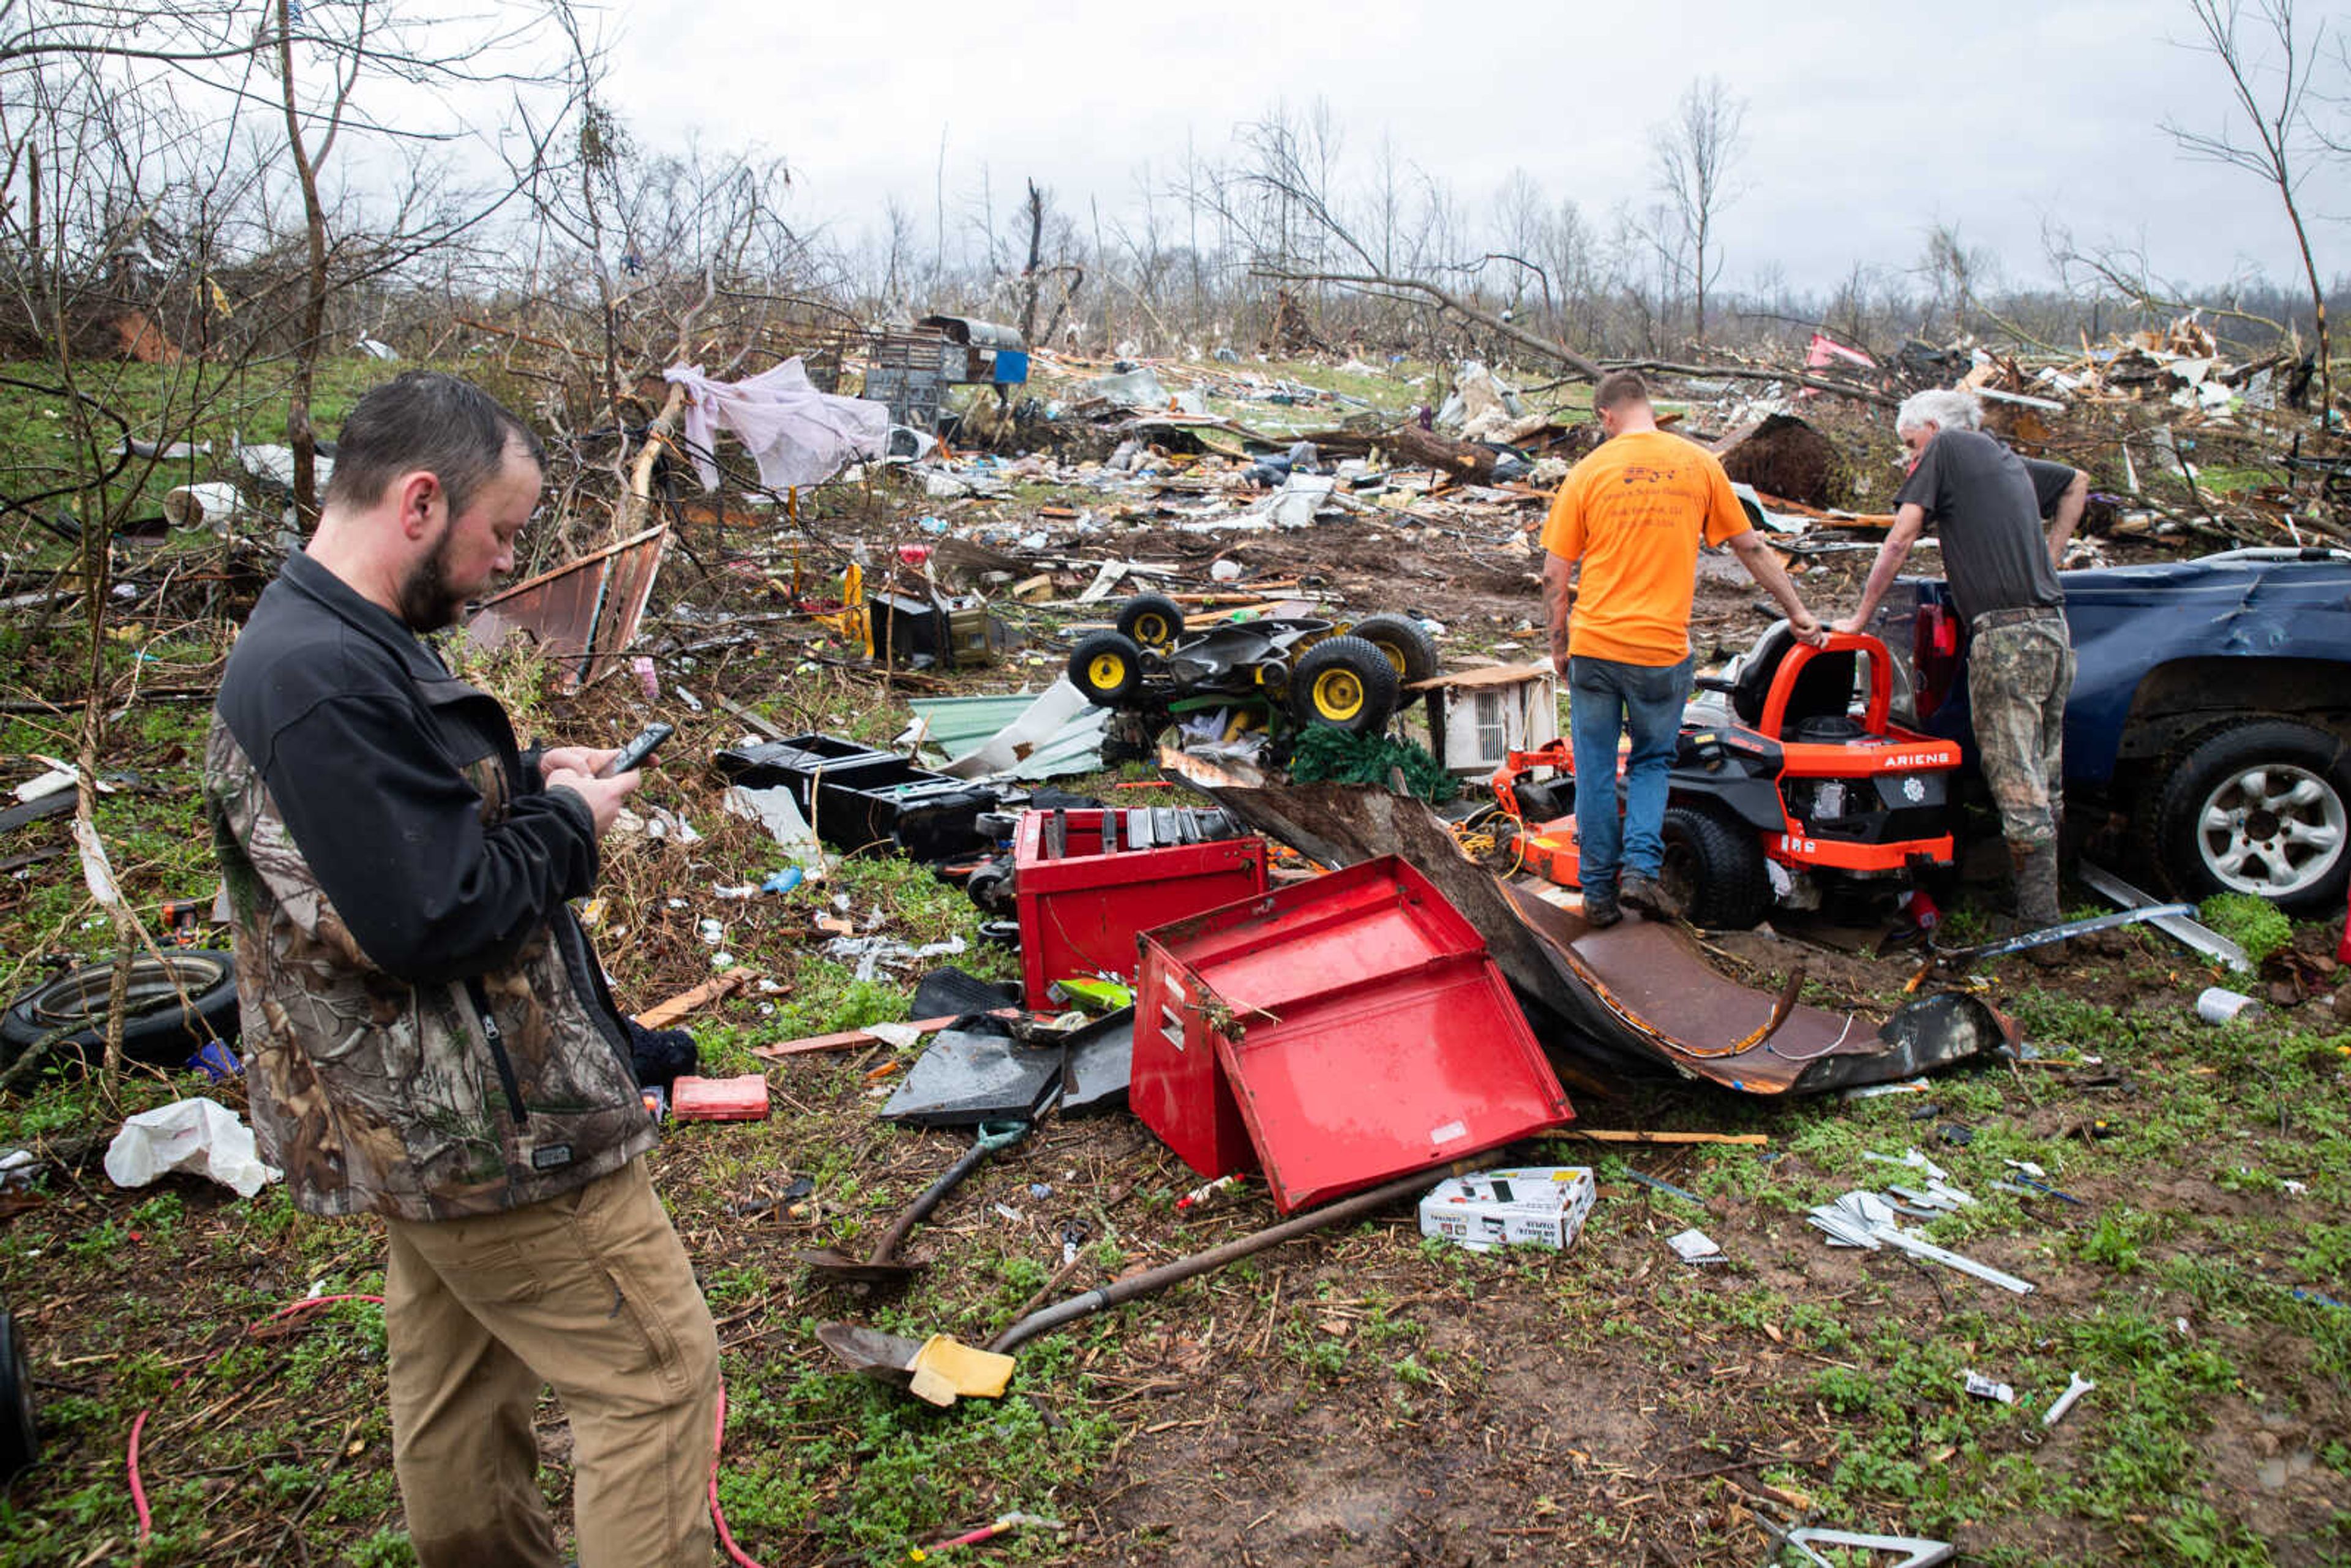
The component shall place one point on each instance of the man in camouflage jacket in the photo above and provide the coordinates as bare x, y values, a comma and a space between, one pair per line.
428, 1035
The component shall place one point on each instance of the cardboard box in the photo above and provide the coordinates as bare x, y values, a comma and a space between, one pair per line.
1536, 1206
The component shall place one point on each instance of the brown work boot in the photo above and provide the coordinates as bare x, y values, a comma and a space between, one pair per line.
2035, 869
1643, 896
1600, 908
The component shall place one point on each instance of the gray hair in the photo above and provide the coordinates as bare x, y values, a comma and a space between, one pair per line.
1947, 409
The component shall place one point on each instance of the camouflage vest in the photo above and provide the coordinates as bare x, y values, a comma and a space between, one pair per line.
418, 1101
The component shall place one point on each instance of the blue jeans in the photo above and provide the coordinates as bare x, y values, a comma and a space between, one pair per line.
1607, 699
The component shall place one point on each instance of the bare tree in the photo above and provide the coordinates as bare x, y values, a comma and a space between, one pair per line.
1694, 152
2269, 69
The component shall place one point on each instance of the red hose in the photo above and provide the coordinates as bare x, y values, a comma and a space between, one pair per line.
735, 1554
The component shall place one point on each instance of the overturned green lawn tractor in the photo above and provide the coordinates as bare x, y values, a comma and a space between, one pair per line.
1277, 674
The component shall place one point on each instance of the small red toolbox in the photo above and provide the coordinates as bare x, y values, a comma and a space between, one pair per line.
1083, 902
1340, 1033
742, 1099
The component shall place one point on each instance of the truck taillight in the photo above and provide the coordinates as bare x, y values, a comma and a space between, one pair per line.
1934, 656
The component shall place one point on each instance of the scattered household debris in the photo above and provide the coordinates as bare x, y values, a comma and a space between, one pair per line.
1697, 1246
199, 1137
1866, 1220
1534, 1205
2076, 1386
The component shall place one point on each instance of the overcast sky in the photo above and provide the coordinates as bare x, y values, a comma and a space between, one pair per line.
1866, 123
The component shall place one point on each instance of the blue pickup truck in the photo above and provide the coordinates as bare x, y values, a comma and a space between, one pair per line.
2209, 721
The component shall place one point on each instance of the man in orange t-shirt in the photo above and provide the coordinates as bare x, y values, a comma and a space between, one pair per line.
1630, 519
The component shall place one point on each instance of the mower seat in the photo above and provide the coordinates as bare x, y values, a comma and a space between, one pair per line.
1821, 701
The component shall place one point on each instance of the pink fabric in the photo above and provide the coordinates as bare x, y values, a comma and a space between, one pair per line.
797, 434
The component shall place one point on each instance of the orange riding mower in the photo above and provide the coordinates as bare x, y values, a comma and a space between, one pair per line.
1788, 778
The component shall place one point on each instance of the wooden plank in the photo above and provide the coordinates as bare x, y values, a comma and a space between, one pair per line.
1606, 1135
849, 1038
662, 1015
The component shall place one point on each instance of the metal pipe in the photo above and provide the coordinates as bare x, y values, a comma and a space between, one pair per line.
1198, 1263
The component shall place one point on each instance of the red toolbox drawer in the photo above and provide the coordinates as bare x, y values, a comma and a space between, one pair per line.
1082, 910
1340, 1032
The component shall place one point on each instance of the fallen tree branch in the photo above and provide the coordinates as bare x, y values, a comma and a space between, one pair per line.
1557, 353
1744, 374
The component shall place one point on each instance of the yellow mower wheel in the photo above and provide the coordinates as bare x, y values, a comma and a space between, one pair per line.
1106, 668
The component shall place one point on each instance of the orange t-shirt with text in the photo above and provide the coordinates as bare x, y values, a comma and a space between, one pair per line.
1635, 512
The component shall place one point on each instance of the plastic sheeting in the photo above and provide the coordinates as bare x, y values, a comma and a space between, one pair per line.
797, 434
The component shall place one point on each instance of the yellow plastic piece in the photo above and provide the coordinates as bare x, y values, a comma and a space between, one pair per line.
945, 1367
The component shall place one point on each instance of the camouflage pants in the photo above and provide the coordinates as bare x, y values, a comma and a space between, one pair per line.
2018, 673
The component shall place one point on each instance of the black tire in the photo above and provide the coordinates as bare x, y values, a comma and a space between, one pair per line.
156, 1029
1106, 666
20, 1432
1152, 619
1714, 870
1407, 644
2262, 807
1346, 683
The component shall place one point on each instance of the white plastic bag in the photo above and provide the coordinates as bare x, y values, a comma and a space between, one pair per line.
200, 1136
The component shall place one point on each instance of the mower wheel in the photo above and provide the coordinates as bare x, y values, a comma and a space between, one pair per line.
1152, 619
1344, 682
20, 1431
1407, 644
1714, 870
1106, 666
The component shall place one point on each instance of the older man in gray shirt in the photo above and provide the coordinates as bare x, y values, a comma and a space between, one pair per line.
1988, 505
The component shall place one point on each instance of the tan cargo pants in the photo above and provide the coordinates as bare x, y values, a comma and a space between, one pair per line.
591, 1292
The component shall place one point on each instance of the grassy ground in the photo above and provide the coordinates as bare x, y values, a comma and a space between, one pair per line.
1364, 1397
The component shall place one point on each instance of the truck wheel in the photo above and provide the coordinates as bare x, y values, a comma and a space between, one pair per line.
1345, 682
1714, 870
156, 1030
1152, 619
1106, 666
2261, 807
1407, 645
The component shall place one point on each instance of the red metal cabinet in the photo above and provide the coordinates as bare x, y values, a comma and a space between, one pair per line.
1340, 1032
1081, 911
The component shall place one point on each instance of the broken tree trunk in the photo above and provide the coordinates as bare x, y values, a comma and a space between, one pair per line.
636, 498
1463, 461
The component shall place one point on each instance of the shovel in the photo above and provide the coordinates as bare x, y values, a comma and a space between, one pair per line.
892, 1358
885, 1267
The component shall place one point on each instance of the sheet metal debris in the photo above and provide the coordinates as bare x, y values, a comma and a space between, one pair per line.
584, 614
1867, 1221
2180, 928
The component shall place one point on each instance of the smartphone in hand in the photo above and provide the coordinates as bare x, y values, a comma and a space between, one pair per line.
633, 754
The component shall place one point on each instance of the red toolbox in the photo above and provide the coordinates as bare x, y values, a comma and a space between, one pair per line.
1339, 1034
1082, 904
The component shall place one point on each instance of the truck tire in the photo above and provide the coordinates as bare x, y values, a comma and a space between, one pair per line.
1407, 644
1106, 667
2261, 806
1152, 619
1714, 870
156, 1030
1344, 682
